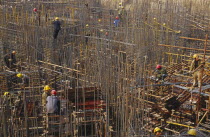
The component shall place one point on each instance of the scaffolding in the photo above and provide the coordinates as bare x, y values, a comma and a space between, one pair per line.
104, 79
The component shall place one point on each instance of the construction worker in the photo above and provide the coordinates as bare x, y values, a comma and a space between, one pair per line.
23, 79
197, 73
37, 15
10, 60
6, 98
57, 27
45, 94
160, 73
158, 131
87, 33
53, 103
116, 21
18, 98
6, 94
121, 12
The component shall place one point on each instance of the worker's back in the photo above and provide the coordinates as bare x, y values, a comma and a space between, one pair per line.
57, 25
161, 71
52, 104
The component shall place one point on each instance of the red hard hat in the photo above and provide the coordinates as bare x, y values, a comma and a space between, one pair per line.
53, 92
158, 67
117, 17
35, 10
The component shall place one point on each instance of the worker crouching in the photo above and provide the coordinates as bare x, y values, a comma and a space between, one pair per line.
160, 73
23, 80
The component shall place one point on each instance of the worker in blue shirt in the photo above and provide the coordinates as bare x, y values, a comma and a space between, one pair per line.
116, 21
57, 27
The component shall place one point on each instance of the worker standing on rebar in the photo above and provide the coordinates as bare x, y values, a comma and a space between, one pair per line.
37, 15
45, 94
197, 72
116, 21
10, 60
119, 9
57, 27
87, 33
160, 73
53, 103
121, 12
6, 99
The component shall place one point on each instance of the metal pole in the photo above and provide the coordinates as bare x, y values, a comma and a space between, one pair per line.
25, 113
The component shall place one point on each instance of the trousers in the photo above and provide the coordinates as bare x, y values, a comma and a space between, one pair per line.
197, 77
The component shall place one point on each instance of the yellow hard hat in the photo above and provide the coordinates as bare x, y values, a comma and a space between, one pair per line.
120, 3
87, 25
157, 129
192, 132
19, 75
56, 18
6, 93
195, 56
47, 87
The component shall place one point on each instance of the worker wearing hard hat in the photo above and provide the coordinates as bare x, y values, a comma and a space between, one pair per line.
10, 60
53, 103
37, 14
87, 33
197, 72
57, 27
160, 73
116, 21
121, 12
45, 94
6, 98
6, 94
23, 79
158, 131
